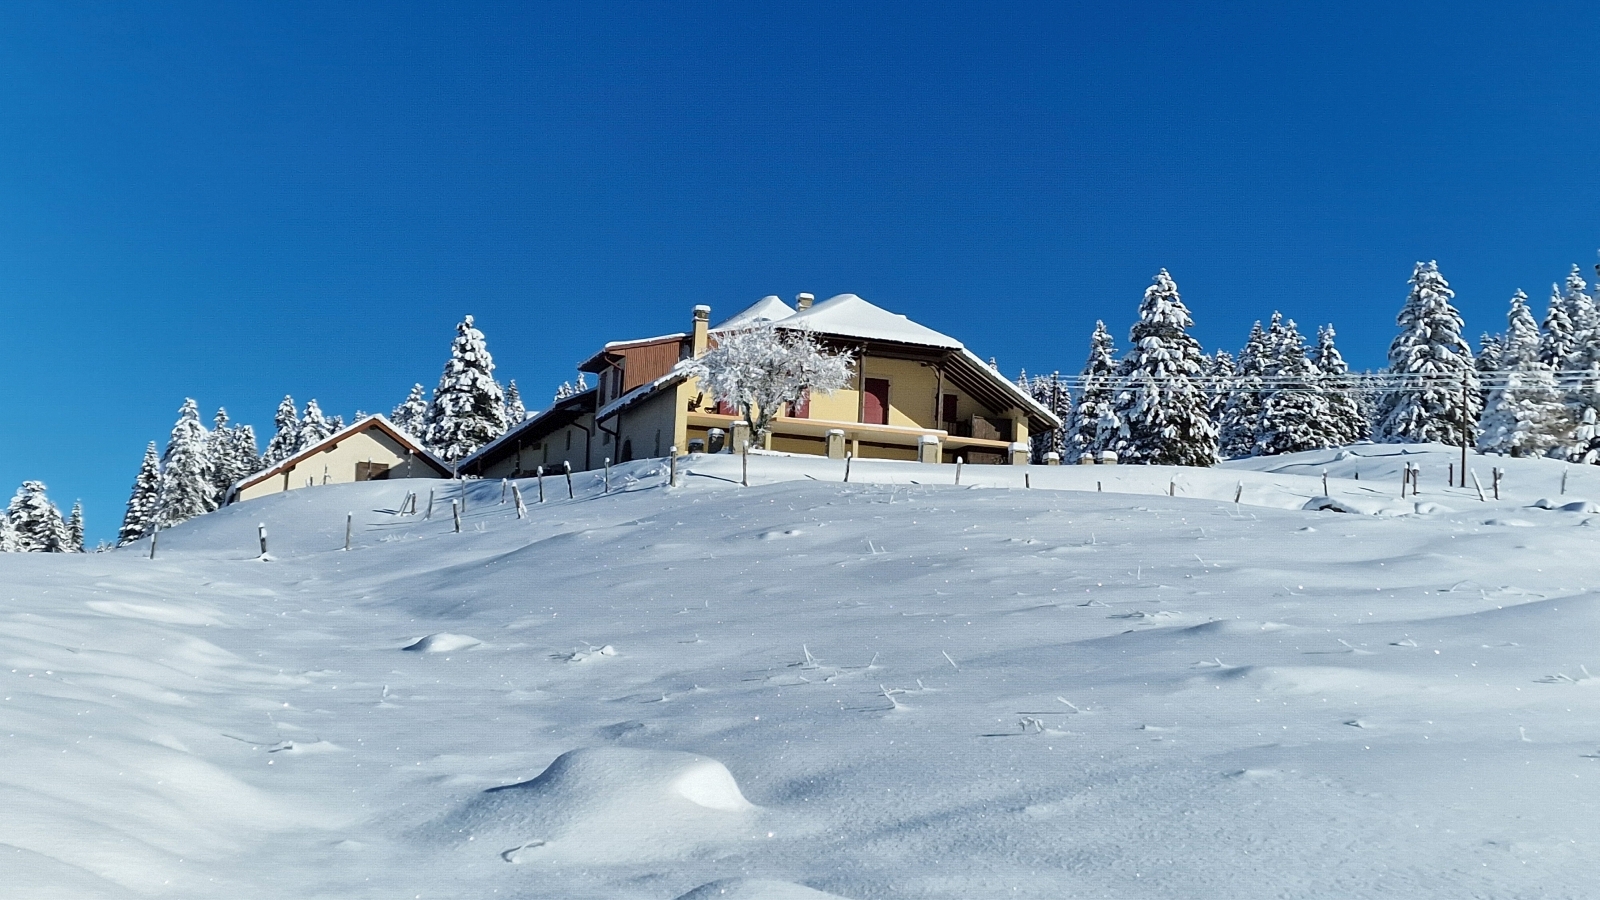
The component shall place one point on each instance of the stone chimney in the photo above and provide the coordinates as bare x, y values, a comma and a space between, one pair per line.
702, 322
802, 302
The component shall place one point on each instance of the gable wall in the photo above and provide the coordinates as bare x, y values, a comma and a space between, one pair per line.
339, 464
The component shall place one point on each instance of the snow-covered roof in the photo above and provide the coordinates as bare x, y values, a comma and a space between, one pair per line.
559, 409
376, 420
622, 345
768, 308
850, 316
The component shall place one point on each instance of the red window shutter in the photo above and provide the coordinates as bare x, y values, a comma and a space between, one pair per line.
801, 409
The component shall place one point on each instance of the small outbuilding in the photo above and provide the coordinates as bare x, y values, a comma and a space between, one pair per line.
372, 449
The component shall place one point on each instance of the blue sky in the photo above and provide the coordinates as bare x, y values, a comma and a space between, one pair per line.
232, 202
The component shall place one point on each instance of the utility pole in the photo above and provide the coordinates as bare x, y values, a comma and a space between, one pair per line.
1466, 427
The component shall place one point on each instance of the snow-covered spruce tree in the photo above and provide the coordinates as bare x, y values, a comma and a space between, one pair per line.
1294, 412
186, 489
1556, 341
1581, 367
231, 450
1432, 362
1093, 424
1051, 392
38, 523
412, 414
1347, 415
515, 411
757, 369
314, 427
569, 389
75, 528
9, 542
243, 459
1241, 412
1160, 400
144, 503
1219, 379
1524, 415
286, 436
469, 407
1490, 348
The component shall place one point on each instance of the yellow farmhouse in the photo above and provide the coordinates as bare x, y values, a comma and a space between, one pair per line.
370, 450
917, 395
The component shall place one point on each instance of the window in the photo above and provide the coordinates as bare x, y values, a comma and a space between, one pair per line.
371, 471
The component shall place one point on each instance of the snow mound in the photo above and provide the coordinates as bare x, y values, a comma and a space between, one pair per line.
1236, 626
1359, 506
613, 804
755, 889
1577, 506
442, 642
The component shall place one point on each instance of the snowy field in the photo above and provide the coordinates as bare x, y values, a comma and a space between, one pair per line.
892, 688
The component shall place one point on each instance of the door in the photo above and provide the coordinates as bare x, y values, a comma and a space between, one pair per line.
875, 409
948, 415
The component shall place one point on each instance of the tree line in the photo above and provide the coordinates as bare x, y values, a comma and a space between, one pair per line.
193, 475
1533, 390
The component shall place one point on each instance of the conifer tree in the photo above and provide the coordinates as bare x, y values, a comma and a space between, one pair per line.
75, 528
1219, 380
1294, 412
515, 411
1435, 367
1347, 415
1524, 415
233, 456
1241, 413
286, 436
186, 489
9, 542
314, 428
1160, 400
569, 389
1490, 348
1051, 392
468, 408
1094, 423
144, 503
38, 523
1581, 366
412, 413
1556, 341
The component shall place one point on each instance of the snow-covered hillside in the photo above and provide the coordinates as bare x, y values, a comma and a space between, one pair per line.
892, 688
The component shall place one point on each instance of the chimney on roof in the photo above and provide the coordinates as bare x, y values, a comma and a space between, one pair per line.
803, 302
702, 321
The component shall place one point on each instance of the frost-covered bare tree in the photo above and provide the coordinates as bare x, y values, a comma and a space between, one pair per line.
760, 368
